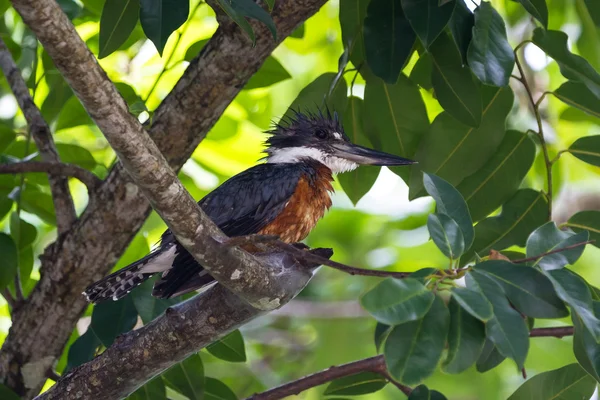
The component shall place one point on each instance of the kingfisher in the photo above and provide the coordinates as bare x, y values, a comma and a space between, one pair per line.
285, 196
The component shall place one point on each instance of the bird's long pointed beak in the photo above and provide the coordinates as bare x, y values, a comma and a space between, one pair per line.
365, 156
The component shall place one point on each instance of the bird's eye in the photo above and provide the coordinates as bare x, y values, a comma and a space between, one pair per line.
321, 134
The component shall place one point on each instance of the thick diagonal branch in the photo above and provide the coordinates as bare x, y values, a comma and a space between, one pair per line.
39, 130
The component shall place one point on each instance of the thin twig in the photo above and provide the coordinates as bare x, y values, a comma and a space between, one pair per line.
557, 332
55, 169
12, 302
524, 260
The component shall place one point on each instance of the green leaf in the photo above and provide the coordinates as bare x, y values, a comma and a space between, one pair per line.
461, 26
270, 73
316, 96
187, 377
537, 9
395, 301
422, 392
214, 389
413, 349
507, 329
489, 358
73, 154
548, 238
10, 260
352, 17
520, 215
194, 50
427, 18
572, 66
229, 348
59, 93
453, 83
7, 394
152, 390
116, 24
587, 149
594, 10
474, 303
389, 39
381, 333
421, 72
499, 178
574, 291
149, 307
239, 10
72, 114
588, 221
526, 288
453, 150
38, 203
160, 18
450, 202
22, 232
5, 206
361, 383
578, 95
82, 350
465, 338
566, 383
446, 234
358, 182
490, 56
298, 33
7, 136
112, 318
585, 347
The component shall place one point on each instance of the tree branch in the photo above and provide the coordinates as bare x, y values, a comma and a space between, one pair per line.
54, 169
558, 332
39, 130
575, 245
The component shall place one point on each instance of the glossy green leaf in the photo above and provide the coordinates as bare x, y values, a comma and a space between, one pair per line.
450, 202
453, 83
361, 383
7, 394
489, 358
573, 290
22, 232
587, 221
187, 377
422, 392
152, 390
453, 150
73, 154
10, 260
507, 329
427, 17
490, 56
572, 66
358, 182
229, 348
160, 18
389, 39
526, 288
465, 338
116, 24
270, 73
585, 347
112, 318
537, 9
352, 17
413, 349
149, 307
520, 215
474, 303
461, 27
315, 96
549, 238
499, 178
446, 234
381, 333
239, 10
421, 72
395, 301
587, 149
83, 349
566, 383
578, 95
214, 389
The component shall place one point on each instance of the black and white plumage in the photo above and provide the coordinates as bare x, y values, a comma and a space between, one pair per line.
284, 196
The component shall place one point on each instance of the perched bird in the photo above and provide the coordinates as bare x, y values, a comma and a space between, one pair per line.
285, 196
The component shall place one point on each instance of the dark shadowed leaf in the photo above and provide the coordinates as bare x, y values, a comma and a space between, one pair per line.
22, 232
116, 24
316, 96
421, 72
588, 221
585, 347
362, 383
5, 206
239, 10
358, 182
548, 238
450, 202
381, 333
572, 66
83, 349
566, 383
489, 358
352, 18
187, 377
594, 10
537, 9
214, 389
298, 33
427, 18
160, 18
524, 212
412, 350
453, 83
587, 149
395, 301
7, 394
7, 136
474, 303
112, 318
526, 288
461, 26
153, 390
194, 50
10, 260
149, 307
388, 37
498, 180
446, 234
465, 338
490, 56
229, 348
422, 392
577, 95
270, 73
